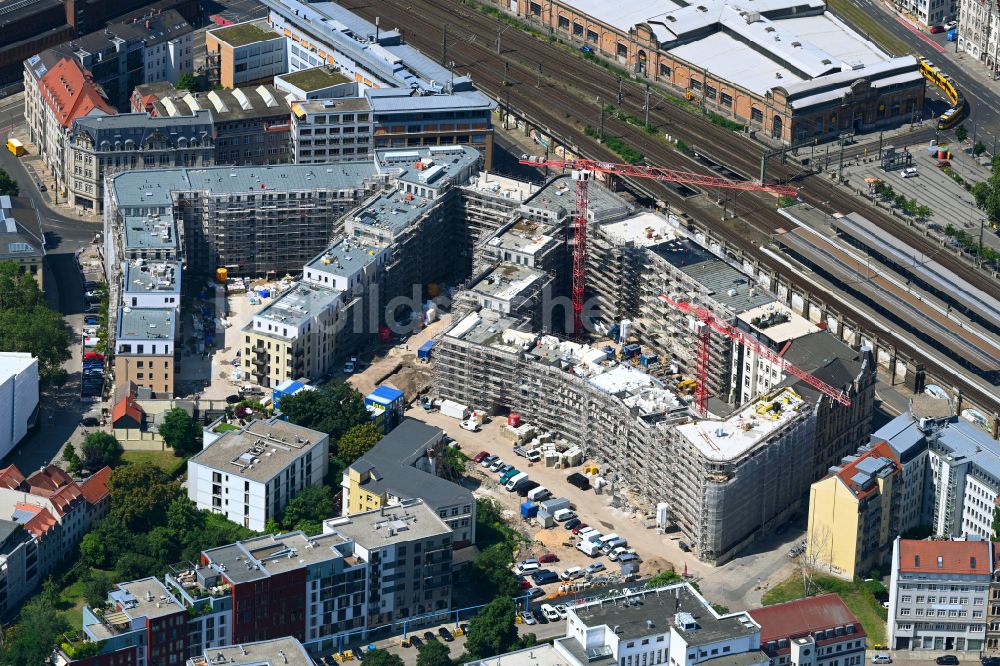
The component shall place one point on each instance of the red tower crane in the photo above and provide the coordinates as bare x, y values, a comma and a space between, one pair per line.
582, 170
711, 322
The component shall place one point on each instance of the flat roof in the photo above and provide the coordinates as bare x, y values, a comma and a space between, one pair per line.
284, 651
507, 281
345, 257
12, 363
338, 105
644, 229
503, 187
483, 327
389, 525
522, 242
21, 232
777, 321
543, 654
153, 187
242, 34
431, 166
394, 211
146, 323
661, 606
148, 277
147, 597
559, 197
745, 428
724, 284
315, 78
302, 302
260, 450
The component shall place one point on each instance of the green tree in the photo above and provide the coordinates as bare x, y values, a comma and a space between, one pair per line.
96, 585
664, 578
140, 492
334, 409
307, 510
73, 463
380, 657
996, 523
181, 432
720, 609
187, 81
492, 631
493, 565
31, 640
961, 133
98, 450
8, 186
978, 149
433, 653
358, 441
27, 324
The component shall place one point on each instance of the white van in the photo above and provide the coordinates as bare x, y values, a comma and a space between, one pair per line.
514, 480
549, 612
572, 573
538, 494
589, 548
587, 534
562, 515
609, 546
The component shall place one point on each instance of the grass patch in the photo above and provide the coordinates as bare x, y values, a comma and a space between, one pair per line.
71, 603
860, 19
165, 460
225, 427
858, 596
625, 151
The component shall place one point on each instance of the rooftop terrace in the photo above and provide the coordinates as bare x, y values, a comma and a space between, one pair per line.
316, 78
242, 34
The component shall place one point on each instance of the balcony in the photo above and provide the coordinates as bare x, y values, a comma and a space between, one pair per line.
259, 374
259, 361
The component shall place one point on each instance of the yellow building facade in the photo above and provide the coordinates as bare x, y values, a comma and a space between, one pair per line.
852, 514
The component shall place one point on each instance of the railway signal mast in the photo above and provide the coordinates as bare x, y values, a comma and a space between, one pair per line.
582, 170
710, 322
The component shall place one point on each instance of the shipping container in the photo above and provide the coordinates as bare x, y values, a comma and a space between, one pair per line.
454, 410
529, 510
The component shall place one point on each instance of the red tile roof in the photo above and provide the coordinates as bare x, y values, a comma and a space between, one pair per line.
127, 406
47, 480
11, 477
64, 498
96, 487
70, 92
40, 523
955, 557
805, 616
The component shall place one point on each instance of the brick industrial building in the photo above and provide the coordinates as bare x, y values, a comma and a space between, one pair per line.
786, 68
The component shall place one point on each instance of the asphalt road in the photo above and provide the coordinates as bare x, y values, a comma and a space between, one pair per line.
61, 409
982, 94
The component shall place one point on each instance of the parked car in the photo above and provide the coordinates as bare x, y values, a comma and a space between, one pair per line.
90, 422
683, 546
481, 456
572, 573
526, 488
544, 577
630, 556
41, 186
504, 469
471, 425
445, 634
549, 612
488, 461
524, 566
948, 26
579, 528
579, 480
937, 29
528, 617
496, 465
535, 592
430, 637
881, 659
947, 660
91, 320
909, 172
595, 567
562, 611
548, 557
572, 524
349, 369
415, 641
616, 553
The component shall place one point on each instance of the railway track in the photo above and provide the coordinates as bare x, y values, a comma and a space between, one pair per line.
548, 83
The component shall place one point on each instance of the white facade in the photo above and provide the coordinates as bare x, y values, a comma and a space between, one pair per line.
18, 397
152, 284
979, 32
167, 61
929, 12
251, 474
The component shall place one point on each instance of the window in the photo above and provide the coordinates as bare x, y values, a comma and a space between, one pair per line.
664, 70
756, 115
725, 99
563, 23
535, 9
622, 50
695, 84
591, 36
710, 92
577, 29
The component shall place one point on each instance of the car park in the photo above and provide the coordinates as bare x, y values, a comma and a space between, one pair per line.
549, 612
528, 617
595, 567
481, 456
548, 557
445, 634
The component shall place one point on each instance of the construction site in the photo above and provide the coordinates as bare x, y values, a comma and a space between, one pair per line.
648, 384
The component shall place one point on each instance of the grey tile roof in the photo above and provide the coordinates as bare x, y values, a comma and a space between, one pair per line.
140, 127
